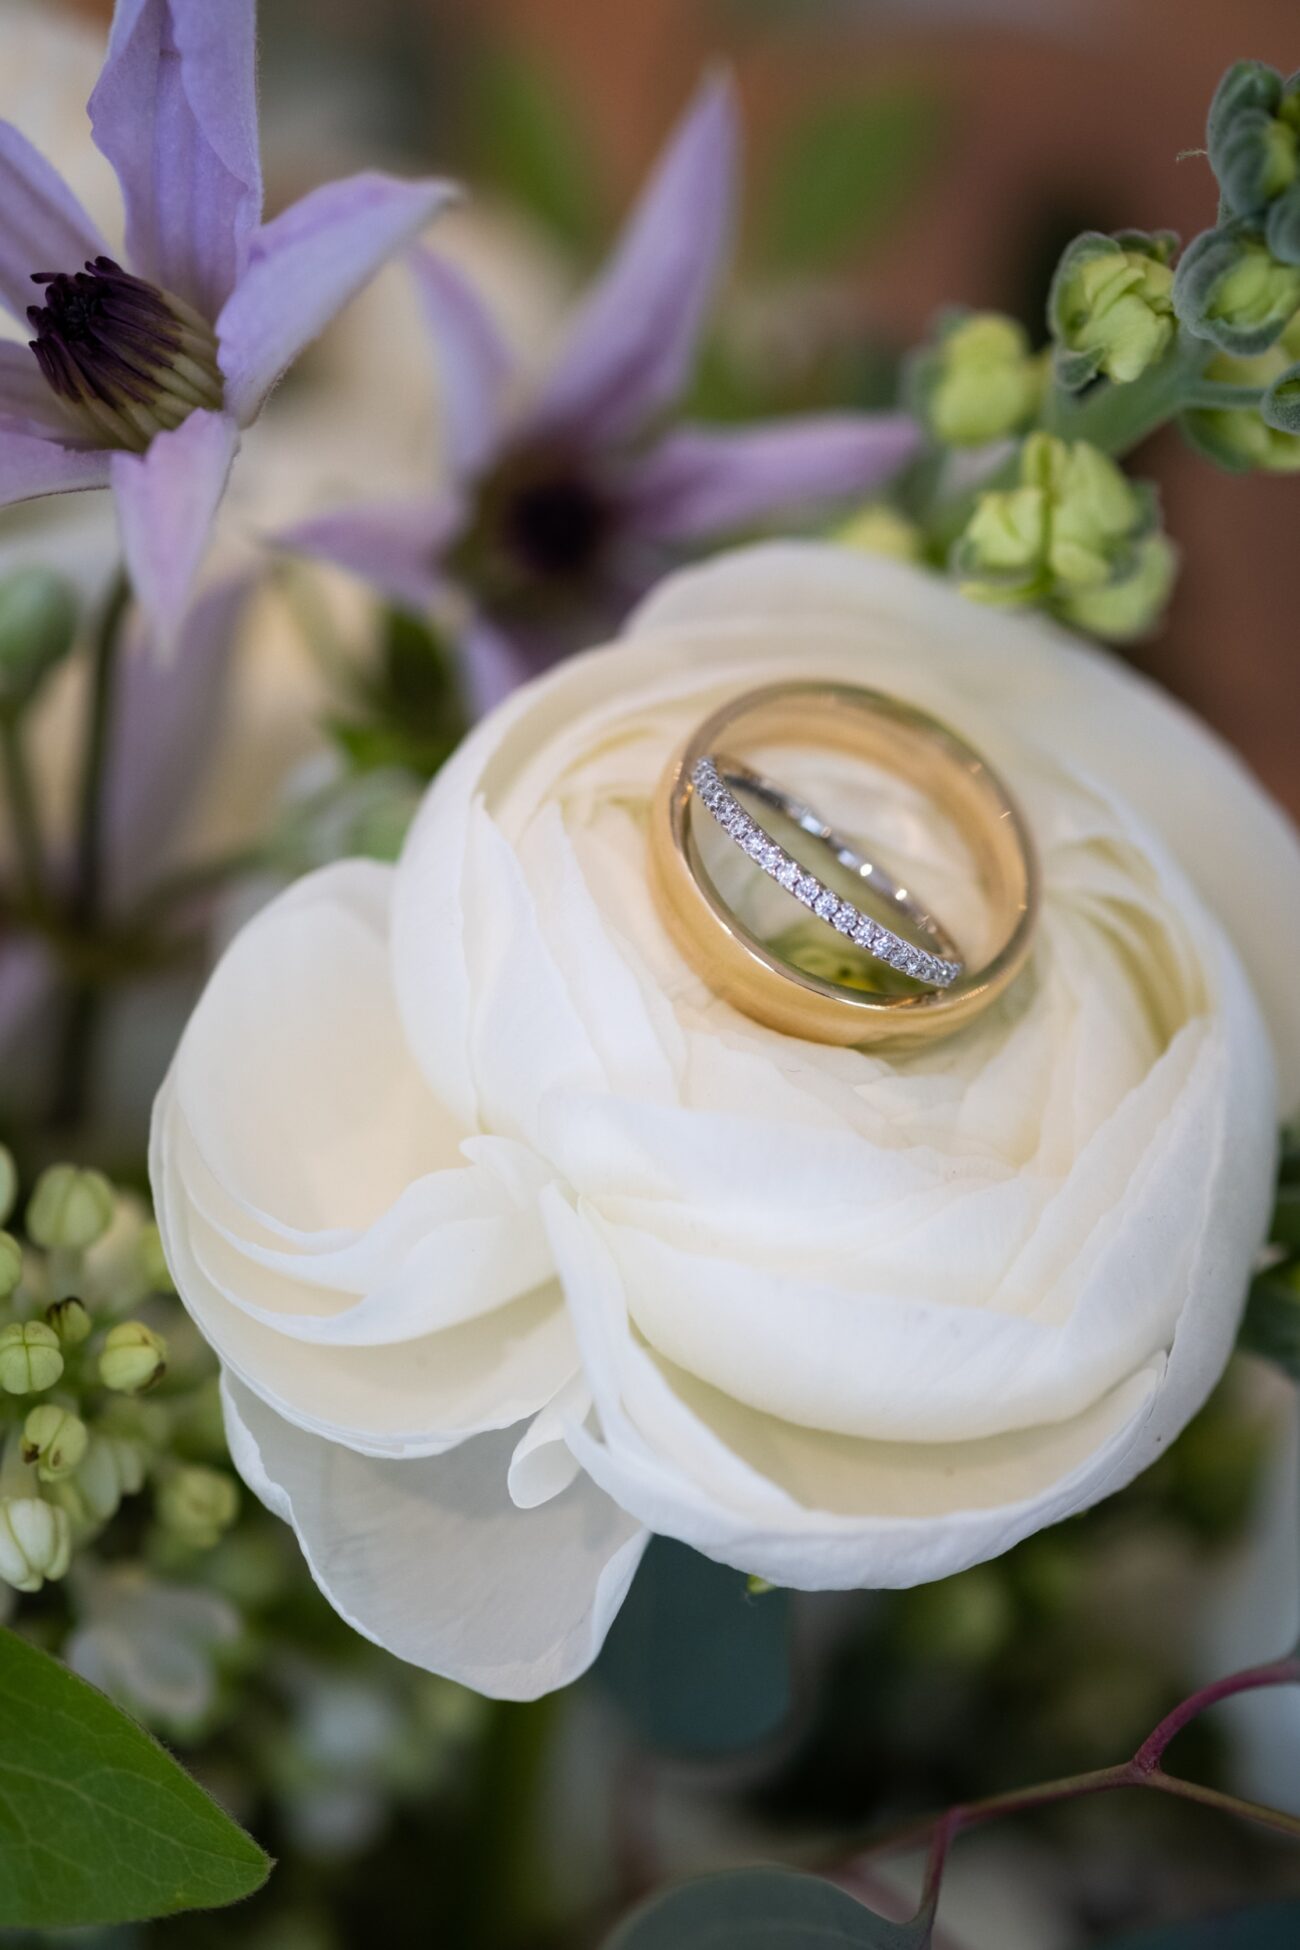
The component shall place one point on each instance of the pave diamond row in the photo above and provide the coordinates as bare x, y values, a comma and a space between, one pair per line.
814, 894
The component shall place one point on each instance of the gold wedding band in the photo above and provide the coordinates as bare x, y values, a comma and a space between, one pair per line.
917, 749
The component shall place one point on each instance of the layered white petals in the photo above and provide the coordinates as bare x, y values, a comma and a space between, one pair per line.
507, 1228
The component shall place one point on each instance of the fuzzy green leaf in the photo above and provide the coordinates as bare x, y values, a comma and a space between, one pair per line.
98, 1824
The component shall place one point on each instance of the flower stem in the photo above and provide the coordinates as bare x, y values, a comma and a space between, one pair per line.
1117, 418
1142, 1770
22, 810
86, 900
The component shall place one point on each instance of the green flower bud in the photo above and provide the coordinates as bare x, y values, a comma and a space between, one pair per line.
979, 382
8, 1183
1282, 226
69, 1320
1242, 437
35, 1542
1111, 306
1251, 136
197, 1504
1074, 524
38, 622
11, 1264
134, 1358
30, 1360
1229, 288
879, 529
55, 1440
1132, 604
70, 1208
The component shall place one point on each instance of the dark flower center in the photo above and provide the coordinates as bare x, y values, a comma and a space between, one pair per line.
555, 527
126, 359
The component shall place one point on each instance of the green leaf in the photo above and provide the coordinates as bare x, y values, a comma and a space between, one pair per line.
844, 172
698, 1663
768, 1909
529, 144
98, 1824
1269, 1926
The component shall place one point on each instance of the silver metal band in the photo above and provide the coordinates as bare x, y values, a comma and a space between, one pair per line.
716, 780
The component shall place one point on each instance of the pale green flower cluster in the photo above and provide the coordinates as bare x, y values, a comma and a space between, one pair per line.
77, 1361
1074, 535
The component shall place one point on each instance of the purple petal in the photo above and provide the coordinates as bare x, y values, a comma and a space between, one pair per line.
396, 545
32, 463
167, 719
42, 225
304, 267
167, 500
474, 362
175, 112
629, 351
704, 481
24, 394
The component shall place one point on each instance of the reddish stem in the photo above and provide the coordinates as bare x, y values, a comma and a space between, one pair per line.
1142, 1770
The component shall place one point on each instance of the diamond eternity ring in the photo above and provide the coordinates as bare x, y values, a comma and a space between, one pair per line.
716, 790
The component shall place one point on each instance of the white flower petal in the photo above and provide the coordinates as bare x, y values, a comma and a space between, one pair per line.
434, 1562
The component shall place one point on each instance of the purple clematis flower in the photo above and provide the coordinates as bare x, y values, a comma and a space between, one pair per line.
143, 376
560, 514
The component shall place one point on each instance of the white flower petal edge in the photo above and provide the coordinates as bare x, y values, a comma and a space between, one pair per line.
434, 1562
515, 1241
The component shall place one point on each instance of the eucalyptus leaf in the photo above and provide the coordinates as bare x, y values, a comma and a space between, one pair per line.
776, 1909
1266, 1926
845, 171
98, 1824
699, 1664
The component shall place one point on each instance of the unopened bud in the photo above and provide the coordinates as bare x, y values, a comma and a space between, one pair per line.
133, 1359
70, 1208
69, 1320
1266, 437
112, 1467
11, 1264
30, 1360
38, 623
978, 382
1251, 136
35, 1542
55, 1440
197, 1504
1111, 306
1230, 289
1076, 536
1132, 602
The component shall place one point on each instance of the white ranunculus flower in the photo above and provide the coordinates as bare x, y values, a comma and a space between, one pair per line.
516, 1243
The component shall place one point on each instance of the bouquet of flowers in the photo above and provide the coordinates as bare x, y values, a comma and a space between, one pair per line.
713, 1055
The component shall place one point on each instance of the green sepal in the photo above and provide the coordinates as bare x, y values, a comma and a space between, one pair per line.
1238, 133
1280, 406
1282, 226
1201, 290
